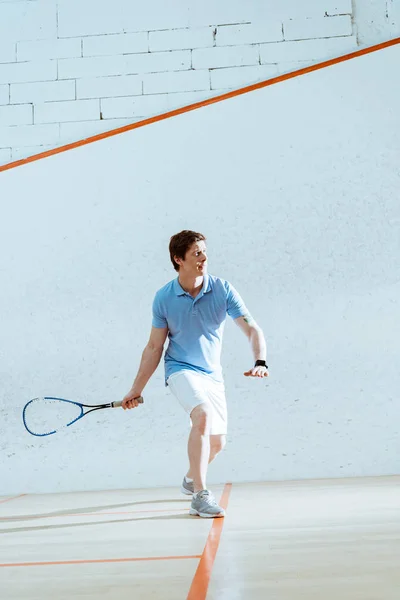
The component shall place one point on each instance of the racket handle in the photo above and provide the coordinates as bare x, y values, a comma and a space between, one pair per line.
118, 403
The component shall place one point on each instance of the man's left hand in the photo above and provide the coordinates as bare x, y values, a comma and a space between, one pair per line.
257, 372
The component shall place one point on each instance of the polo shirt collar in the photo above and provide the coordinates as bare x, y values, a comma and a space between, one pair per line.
179, 291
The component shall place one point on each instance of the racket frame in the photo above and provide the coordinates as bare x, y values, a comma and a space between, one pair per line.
81, 405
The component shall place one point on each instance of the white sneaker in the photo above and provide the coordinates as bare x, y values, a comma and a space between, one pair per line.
187, 487
204, 505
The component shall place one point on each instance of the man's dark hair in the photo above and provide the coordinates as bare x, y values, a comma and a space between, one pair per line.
180, 243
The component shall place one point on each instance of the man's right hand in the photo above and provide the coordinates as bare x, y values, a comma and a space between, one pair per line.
130, 400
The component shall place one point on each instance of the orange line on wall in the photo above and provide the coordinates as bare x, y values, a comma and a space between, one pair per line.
95, 561
201, 580
201, 104
13, 498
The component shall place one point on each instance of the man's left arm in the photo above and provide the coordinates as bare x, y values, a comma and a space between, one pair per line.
258, 345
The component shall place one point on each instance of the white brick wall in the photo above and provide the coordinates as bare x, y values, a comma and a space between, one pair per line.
109, 87
28, 71
21, 114
181, 39
310, 50
157, 62
376, 20
29, 135
235, 77
43, 91
147, 106
44, 49
27, 20
85, 17
289, 67
291, 9
4, 94
24, 152
325, 27
62, 112
132, 15
235, 35
180, 81
339, 7
141, 106
130, 60
213, 58
76, 68
70, 132
103, 45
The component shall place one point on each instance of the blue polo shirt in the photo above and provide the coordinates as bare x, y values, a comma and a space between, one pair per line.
196, 325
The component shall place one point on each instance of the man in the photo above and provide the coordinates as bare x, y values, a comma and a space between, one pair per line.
191, 310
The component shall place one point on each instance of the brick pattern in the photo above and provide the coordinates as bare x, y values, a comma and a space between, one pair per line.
306, 50
18, 153
29, 135
106, 45
62, 112
109, 87
44, 49
43, 91
4, 94
16, 114
227, 79
181, 39
66, 73
232, 56
26, 72
179, 81
321, 27
239, 35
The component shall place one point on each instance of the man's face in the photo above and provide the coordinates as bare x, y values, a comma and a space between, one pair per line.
195, 262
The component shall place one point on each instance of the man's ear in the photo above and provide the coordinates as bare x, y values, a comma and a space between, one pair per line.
178, 260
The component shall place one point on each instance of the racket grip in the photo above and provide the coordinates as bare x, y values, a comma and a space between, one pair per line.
118, 403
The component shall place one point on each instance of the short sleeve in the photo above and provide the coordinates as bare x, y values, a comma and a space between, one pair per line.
235, 306
159, 320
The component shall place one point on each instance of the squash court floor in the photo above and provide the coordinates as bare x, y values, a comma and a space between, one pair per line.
299, 540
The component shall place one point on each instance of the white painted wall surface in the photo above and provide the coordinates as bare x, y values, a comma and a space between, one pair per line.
376, 20
296, 187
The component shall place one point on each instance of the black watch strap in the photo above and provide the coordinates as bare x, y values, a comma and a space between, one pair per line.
261, 363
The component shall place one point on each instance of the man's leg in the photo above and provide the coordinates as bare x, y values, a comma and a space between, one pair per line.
199, 445
203, 502
217, 443
204, 400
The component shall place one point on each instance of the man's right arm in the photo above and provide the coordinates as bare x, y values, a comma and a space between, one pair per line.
150, 359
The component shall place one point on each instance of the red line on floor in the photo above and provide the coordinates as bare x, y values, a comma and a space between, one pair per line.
201, 580
13, 498
94, 561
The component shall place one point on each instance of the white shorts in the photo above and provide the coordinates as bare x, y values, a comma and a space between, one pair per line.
191, 389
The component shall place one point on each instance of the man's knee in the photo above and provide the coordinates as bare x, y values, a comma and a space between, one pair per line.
201, 419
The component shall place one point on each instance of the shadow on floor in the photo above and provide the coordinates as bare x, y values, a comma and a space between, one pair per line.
179, 516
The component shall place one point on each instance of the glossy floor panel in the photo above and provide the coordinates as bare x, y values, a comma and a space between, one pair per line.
336, 539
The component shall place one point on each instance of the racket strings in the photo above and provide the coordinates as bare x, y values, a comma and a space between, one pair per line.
47, 415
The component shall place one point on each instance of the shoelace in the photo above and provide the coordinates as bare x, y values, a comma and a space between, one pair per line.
208, 498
